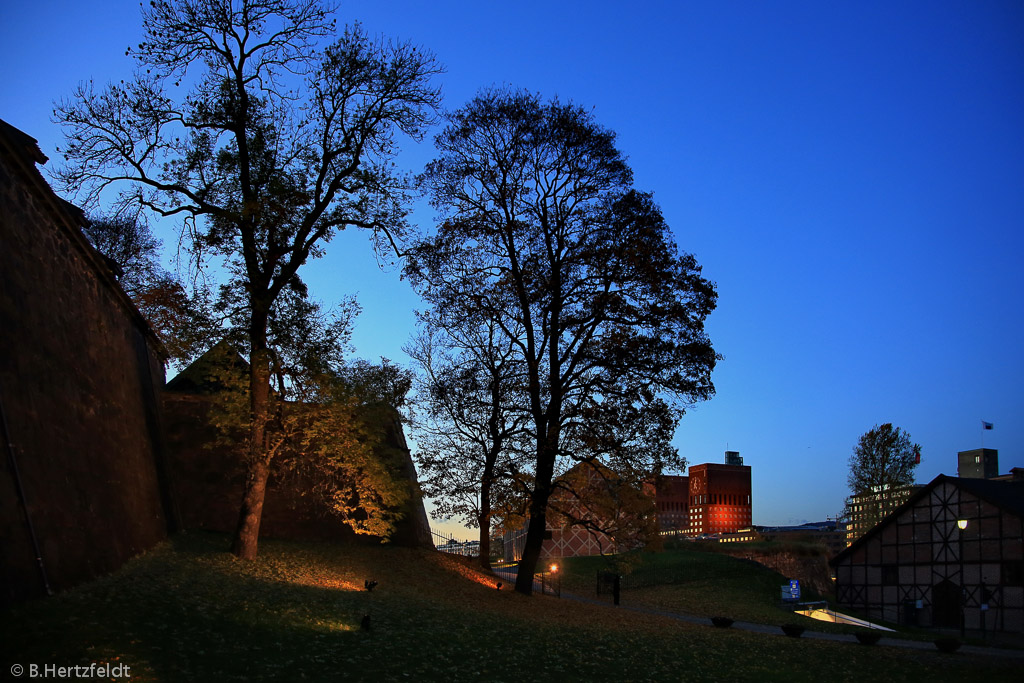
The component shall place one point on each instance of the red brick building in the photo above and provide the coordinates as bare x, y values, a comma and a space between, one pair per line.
719, 498
673, 501
713, 499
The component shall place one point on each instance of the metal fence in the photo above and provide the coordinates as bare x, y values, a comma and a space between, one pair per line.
545, 581
448, 543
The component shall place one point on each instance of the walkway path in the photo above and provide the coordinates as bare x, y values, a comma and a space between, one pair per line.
509, 575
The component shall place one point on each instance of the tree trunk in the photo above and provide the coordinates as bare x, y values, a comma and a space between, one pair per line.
484, 518
531, 551
246, 541
484, 522
247, 534
538, 519
485, 545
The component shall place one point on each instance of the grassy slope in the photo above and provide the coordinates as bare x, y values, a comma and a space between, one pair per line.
189, 611
704, 584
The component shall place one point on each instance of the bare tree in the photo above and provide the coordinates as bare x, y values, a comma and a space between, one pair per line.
544, 236
262, 143
470, 437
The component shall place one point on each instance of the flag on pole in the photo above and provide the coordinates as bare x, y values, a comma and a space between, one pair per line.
986, 425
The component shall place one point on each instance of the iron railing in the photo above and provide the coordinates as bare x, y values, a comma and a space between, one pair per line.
448, 543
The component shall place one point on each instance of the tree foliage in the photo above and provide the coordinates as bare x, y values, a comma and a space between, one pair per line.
883, 460
326, 434
263, 143
544, 237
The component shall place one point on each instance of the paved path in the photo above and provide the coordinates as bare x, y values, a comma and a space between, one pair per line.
509, 575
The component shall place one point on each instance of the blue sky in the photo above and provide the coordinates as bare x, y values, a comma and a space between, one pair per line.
850, 174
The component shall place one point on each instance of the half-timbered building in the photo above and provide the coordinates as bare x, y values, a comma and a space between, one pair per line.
951, 556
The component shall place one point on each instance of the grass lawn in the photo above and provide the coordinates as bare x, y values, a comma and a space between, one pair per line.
189, 611
704, 584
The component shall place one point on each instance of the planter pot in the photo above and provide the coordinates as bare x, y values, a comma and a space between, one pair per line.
792, 630
721, 622
868, 637
947, 644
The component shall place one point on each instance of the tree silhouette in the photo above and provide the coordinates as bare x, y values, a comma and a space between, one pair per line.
470, 436
881, 468
262, 143
544, 237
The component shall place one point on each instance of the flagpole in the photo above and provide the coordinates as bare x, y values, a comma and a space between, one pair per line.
985, 426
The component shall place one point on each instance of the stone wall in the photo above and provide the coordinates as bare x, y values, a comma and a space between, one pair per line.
79, 376
811, 569
208, 482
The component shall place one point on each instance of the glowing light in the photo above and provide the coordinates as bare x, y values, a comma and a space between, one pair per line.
962, 523
839, 618
554, 568
322, 581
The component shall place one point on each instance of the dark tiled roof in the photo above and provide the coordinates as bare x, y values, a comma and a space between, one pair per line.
1007, 495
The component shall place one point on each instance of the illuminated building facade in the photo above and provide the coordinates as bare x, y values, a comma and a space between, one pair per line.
865, 510
720, 500
713, 499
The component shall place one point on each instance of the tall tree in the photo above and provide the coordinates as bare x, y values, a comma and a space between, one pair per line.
264, 144
882, 467
469, 435
544, 236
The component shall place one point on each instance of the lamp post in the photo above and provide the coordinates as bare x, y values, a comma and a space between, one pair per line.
962, 525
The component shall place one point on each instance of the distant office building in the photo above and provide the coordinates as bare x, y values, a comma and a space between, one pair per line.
867, 509
720, 499
745, 535
733, 458
980, 463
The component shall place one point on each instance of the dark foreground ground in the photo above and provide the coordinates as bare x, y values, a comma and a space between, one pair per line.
189, 611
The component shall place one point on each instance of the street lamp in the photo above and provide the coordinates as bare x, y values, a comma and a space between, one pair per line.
554, 571
962, 525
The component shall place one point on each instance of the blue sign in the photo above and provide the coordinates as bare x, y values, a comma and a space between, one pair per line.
794, 588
